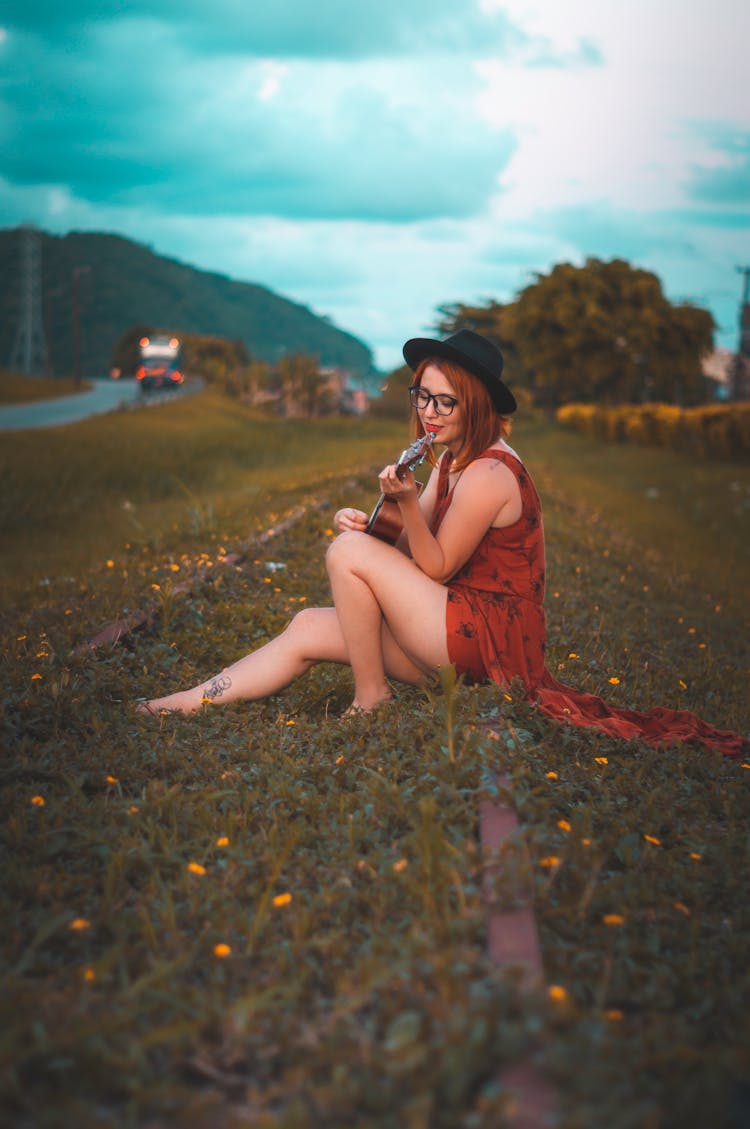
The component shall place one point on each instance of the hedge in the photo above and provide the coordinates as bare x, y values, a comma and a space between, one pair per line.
713, 431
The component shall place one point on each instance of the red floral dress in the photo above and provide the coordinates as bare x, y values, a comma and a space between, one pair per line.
497, 631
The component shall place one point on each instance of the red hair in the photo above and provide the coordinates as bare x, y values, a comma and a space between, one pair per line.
482, 423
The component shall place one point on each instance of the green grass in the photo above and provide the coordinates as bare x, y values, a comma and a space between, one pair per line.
366, 998
15, 388
82, 493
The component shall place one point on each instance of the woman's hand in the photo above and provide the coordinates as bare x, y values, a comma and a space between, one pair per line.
398, 482
349, 519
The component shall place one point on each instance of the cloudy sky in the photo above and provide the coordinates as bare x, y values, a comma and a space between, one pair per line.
375, 160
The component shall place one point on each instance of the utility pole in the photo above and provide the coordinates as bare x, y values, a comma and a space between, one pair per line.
740, 375
29, 352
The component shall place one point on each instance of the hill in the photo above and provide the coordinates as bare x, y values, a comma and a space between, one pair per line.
127, 283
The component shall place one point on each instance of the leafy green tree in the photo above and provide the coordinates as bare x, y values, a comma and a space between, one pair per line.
601, 332
219, 360
393, 402
492, 320
606, 332
303, 387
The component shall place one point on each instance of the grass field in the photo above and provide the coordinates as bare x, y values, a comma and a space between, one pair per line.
15, 388
259, 916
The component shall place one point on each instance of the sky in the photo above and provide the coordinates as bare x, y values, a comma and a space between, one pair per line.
375, 161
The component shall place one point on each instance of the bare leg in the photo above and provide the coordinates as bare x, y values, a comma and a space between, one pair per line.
314, 635
389, 620
374, 586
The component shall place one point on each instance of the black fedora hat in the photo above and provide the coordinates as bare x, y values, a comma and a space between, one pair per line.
472, 352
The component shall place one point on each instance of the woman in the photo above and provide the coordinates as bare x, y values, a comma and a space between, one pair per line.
464, 583
389, 614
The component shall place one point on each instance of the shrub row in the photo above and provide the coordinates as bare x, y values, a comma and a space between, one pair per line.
715, 431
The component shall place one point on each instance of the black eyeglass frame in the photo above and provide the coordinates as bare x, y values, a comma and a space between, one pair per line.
416, 391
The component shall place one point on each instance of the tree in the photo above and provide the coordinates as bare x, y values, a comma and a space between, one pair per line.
126, 355
492, 321
393, 401
304, 388
219, 360
606, 332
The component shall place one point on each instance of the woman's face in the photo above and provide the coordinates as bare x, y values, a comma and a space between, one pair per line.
447, 430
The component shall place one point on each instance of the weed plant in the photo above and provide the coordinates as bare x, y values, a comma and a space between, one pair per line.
265, 916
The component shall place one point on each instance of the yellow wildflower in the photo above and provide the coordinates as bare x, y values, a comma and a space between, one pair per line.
682, 908
175, 567
112, 780
551, 775
683, 685
340, 758
110, 564
89, 975
78, 924
745, 766
35, 677
614, 681
586, 842
652, 839
38, 801
614, 1014
400, 865
696, 856
572, 655
221, 950
291, 721
282, 900
557, 992
132, 810
613, 919
563, 825
222, 841
196, 868
550, 860
601, 760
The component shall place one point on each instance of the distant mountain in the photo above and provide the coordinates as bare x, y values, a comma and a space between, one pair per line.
127, 283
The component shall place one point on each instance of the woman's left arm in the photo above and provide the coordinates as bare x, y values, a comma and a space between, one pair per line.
486, 494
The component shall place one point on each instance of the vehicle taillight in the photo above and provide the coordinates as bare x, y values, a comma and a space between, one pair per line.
140, 373
177, 376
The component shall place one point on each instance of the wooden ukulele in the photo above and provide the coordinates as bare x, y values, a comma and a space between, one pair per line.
385, 520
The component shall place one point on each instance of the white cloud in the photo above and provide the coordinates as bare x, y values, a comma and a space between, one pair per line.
272, 73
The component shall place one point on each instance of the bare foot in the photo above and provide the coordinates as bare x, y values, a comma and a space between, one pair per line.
187, 701
360, 707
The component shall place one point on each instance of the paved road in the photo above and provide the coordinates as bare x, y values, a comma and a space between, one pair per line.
106, 395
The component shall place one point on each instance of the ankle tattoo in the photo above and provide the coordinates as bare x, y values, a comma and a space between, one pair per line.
217, 687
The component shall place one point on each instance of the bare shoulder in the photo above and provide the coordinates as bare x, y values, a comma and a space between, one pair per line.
489, 474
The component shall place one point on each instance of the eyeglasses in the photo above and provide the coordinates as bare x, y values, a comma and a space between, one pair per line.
420, 398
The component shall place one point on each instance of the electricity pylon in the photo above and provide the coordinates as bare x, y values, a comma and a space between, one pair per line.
29, 350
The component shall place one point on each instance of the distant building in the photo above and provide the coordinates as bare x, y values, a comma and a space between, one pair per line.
718, 370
